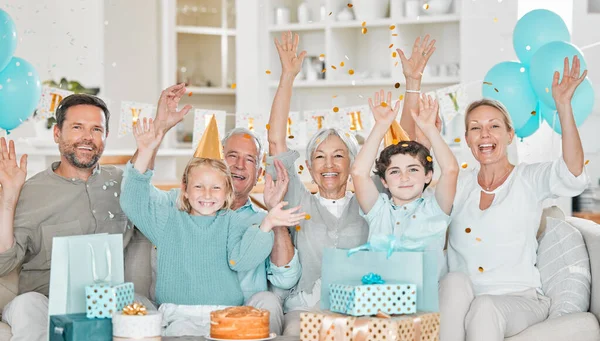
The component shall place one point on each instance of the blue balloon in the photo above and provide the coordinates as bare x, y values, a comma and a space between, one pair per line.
8, 39
548, 59
531, 126
534, 30
20, 92
508, 82
582, 102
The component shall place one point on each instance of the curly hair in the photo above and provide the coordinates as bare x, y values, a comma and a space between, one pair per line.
412, 148
183, 204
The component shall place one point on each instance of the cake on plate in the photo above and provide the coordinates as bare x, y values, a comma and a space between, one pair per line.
239, 323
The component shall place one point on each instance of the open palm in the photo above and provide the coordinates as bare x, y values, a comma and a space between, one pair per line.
287, 49
167, 115
146, 136
428, 112
275, 191
381, 109
563, 92
422, 50
12, 176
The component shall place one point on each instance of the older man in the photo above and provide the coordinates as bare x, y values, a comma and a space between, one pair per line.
243, 152
66, 199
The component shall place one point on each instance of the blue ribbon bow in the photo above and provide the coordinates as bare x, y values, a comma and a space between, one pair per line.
372, 278
377, 243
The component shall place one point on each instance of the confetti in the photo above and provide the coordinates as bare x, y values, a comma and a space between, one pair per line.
322, 55
233, 86
392, 27
268, 72
396, 64
364, 24
383, 104
298, 228
429, 159
401, 97
457, 140
533, 113
495, 20
586, 162
351, 72
301, 167
397, 85
347, 135
464, 165
468, 230
330, 13
299, 172
404, 145
346, 57
364, 30
268, 126
487, 83
425, 6
349, 5
336, 109
394, 54
394, 35
334, 96
247, 136
232, 262
333, 67
480, 269
528, 47
307, 217
342, 64
391, 45
547, 90
190, 94
495, 89
291, 137
324, 70
478, 239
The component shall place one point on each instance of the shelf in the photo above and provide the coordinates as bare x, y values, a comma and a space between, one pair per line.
365, 82
215, 31
315, 26
196, 90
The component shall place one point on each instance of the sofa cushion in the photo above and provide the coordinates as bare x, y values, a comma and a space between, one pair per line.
137, 263
5, 334
578, 326
9, 287
564, 267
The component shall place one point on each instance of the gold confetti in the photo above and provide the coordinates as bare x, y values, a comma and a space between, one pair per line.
336, 109
364, 24
586, 162
307, 217
233, 86
405, 145
478, 239
342, 64
480, 269
464, 165
487, 83
396, 64
247, 136
268, 72
457, 140
291, 137
394, 35
334, 96
299, 172
297, 228
268, 126
232, 262
425, 6
397, 85
533, 113
347, 135
392, 27
401, 97
190, 94
383, 104
394, 54
324, 70
350, 5
429, 158
351, 71
333, 67
330, 13
468, 230
322, 55
547, 90
495, 19
301, 167
364, 30
391, 45
495, 89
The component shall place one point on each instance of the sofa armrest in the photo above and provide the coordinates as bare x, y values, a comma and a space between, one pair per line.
9, 288
591, 235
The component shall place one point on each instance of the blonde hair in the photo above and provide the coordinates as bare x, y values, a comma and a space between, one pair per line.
183, 204
490, 103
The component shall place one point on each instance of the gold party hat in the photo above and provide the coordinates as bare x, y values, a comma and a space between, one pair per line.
395, 134
210, 146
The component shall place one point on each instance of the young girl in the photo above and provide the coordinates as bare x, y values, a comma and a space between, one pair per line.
200, 242
418, 223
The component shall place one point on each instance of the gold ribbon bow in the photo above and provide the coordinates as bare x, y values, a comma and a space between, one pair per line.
135, 309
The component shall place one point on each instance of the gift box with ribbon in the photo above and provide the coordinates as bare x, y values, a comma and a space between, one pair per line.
327, 326
373, 296
73, 327
135, 322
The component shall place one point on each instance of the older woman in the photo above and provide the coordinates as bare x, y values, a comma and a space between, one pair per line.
494, 288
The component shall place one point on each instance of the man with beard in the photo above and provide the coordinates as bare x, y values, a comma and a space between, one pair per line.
75, 196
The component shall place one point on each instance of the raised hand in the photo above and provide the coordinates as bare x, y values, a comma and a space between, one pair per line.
275, 191
167, 115
146, 136
279, 217
428, 112
422, 50
12, 176
382, 110
563, 92
287, 49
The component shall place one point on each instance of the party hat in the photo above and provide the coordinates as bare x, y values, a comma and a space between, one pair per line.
395, 134
210, 145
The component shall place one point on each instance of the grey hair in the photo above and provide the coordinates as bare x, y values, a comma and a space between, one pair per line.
244, 131
348, 139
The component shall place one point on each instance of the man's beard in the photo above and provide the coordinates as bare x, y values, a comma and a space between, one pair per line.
69, 151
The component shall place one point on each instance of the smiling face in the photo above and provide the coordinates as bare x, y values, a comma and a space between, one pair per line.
488, 134
82, 137
206, 190
330, 165
241, 155
405, 177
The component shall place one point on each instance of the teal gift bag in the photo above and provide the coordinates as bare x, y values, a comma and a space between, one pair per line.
419, 268
75, 327
79, 261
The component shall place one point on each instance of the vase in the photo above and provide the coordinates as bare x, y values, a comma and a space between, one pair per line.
437, 7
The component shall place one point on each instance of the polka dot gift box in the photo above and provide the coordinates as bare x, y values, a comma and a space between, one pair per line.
102, 300
372, 296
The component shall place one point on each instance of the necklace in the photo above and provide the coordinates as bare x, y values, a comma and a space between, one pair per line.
487, 188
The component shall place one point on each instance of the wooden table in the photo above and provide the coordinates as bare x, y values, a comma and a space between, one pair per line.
593, 216
201, 338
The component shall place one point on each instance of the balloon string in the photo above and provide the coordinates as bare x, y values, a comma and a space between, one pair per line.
590, 46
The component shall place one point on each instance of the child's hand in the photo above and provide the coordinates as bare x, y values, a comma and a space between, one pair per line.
275, 191
279, 217
428, 113
382, 110
146, 137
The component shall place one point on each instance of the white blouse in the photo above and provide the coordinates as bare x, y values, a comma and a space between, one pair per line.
335, 206
497, 247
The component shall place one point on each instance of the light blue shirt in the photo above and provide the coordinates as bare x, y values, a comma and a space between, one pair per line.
419, 225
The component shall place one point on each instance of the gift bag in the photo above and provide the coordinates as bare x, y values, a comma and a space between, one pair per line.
75, 327
418, 268
79, 261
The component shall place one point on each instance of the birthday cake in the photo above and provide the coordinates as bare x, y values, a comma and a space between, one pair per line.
239, 323
135, 322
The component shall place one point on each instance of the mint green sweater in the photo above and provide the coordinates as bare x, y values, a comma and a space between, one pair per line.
198, 256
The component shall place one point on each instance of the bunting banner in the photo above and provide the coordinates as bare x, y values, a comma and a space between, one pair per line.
132, 112
49, 101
